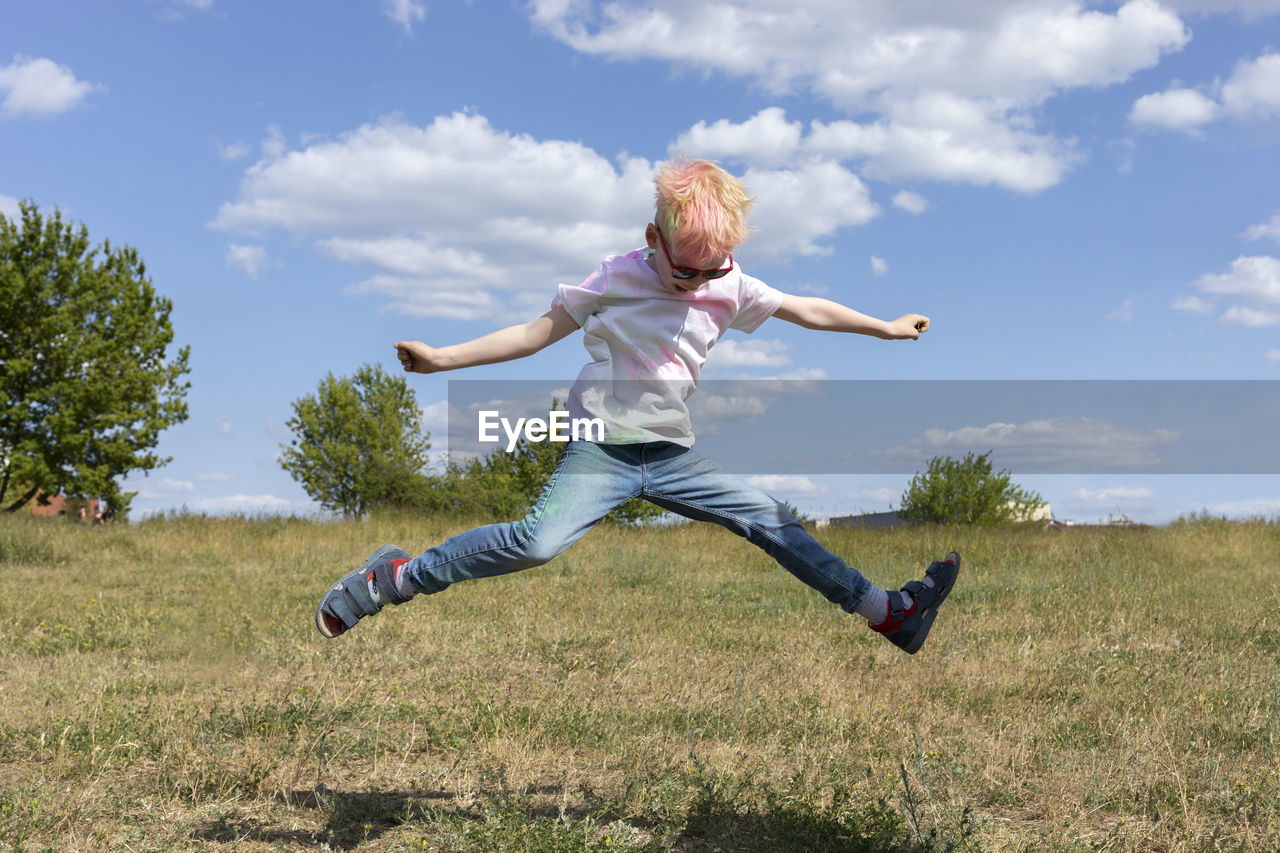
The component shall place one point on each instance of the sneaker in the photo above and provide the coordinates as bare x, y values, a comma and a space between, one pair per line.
361, 593
907, 627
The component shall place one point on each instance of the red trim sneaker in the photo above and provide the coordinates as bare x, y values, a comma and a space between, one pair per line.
907, 626
362, 593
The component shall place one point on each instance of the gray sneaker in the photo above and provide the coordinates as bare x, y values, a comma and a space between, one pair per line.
350, 600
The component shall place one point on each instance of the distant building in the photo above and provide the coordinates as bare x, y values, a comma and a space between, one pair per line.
881, 520
869, 519
59, 505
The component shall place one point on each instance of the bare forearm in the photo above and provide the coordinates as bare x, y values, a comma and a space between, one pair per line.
503, 345
834, 317
815, 313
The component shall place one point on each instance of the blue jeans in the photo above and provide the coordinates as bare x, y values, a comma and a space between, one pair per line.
591, 479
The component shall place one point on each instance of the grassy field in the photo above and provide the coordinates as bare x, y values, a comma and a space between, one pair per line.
162, 687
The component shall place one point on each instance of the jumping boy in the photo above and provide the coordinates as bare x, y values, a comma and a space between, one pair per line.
650, 317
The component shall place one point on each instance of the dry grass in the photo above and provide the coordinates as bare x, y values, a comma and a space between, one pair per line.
163, 688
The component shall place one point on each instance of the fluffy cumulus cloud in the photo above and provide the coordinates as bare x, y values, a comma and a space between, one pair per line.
1247, 294
461, 220
40, 87
1252, 92
951, 87
752, 353
1177, 109
765, 140
1016, 50
928, 137
450, 216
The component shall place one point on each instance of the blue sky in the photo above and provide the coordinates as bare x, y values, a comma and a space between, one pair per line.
1069, 191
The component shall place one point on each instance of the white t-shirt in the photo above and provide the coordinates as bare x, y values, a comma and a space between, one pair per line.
648, 344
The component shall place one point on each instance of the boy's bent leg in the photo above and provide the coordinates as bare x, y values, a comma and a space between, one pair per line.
695, 487
587, 484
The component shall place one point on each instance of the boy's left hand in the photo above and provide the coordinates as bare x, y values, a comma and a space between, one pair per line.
908, 327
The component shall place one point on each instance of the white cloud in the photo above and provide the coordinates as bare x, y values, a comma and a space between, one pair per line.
879, 266
910, 202
1052, 444
1014, 51
1115, 495
786, 484
246, 505
1251, 93
246, 259
404, 12
1193, 305
435, 420
215, 478
765, 140
883, 495
233, 151
953, 87
796, 207
9, 208
1254, 88
40, 87
1177, 109
1270, 228
752, 353
718, 408
461, 220
1253, 508
273, 145
1250, 292
947, 138
1272, 355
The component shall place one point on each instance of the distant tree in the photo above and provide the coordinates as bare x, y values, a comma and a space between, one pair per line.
85, 385
965, 491
359, 443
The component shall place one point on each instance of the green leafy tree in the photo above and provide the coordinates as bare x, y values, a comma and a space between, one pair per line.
359, 443
85, 385
966, 491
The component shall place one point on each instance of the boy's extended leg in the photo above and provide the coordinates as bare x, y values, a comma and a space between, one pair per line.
695, 487
587, 483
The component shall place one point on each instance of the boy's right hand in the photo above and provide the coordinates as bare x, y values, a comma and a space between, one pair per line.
417, 357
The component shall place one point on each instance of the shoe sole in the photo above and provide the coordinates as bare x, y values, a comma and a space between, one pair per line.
927, 616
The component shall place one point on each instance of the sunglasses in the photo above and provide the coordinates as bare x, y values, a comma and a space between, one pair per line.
686, 273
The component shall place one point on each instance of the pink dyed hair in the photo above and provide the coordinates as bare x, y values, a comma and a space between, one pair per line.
701, 209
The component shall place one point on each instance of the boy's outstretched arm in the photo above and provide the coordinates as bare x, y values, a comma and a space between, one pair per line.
503, 345
815, 313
